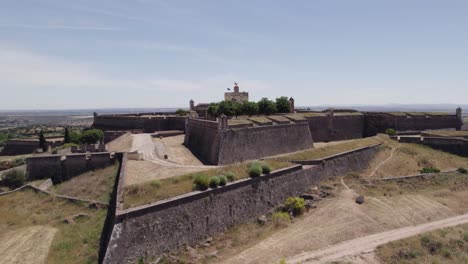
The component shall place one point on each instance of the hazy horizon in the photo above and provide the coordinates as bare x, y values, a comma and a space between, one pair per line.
159, 54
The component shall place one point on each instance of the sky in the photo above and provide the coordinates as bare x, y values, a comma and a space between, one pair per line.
57, 54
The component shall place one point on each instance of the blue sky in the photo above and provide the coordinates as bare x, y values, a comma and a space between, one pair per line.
57, 54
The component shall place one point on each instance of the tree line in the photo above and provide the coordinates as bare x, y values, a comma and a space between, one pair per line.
262, 107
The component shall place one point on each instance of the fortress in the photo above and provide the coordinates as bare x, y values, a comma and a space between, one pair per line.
233, 139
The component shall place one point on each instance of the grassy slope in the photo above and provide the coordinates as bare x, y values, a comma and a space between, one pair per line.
448, 245
317, 153
73, 243
408, 159
144, 193
93, 185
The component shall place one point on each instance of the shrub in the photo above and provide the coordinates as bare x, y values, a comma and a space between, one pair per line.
222, 180
181, 112
17, 162
255, 170
266, 168
462, 170
280, 219
230, 176
13, 179
429, 170
432, 245
201, 182
156, 184
390, 131
465, 236
295, 205
214, 181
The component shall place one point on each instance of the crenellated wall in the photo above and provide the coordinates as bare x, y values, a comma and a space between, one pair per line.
150, 230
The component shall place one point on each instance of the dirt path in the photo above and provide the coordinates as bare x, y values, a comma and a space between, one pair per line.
153, 167
383, 162
369, 243
28, 245
330, 224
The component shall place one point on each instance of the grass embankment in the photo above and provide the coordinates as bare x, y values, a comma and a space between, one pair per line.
447, 133
409, 159
139, 194
447, 245
452, 182
73, 243
333, 148
93, 185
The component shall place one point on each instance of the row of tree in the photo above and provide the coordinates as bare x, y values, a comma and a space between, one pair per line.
262, 107
91, 136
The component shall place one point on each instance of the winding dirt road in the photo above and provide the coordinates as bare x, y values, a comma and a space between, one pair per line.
369, 243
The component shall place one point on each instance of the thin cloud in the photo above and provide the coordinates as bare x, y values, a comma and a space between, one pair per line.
59, 27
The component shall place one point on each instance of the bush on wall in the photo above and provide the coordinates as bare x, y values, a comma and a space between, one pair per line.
214, 181
201, 182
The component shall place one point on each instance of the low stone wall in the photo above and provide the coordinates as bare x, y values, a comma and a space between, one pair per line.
187, 219
61, 168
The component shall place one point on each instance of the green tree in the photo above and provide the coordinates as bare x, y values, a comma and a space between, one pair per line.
267, 107
226, 108
237, 107
75, 137
66, 137
249, 108
42, 141
213, 109
282, 104
3, 139
91, 136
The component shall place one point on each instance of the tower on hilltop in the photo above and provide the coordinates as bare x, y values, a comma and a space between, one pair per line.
236, 96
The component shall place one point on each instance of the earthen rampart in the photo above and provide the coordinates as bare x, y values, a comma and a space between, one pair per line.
456, 146
186, 220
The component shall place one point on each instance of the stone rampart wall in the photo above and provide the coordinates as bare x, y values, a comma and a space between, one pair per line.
186, 220
238, 145
61, 168
202, 138
378, 122
147, 124
20, 147
338, 127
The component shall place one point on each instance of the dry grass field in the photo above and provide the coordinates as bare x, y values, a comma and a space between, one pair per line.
448, 245
32, 230
93, 185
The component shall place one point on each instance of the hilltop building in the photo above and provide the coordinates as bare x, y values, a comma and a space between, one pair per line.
236, 96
